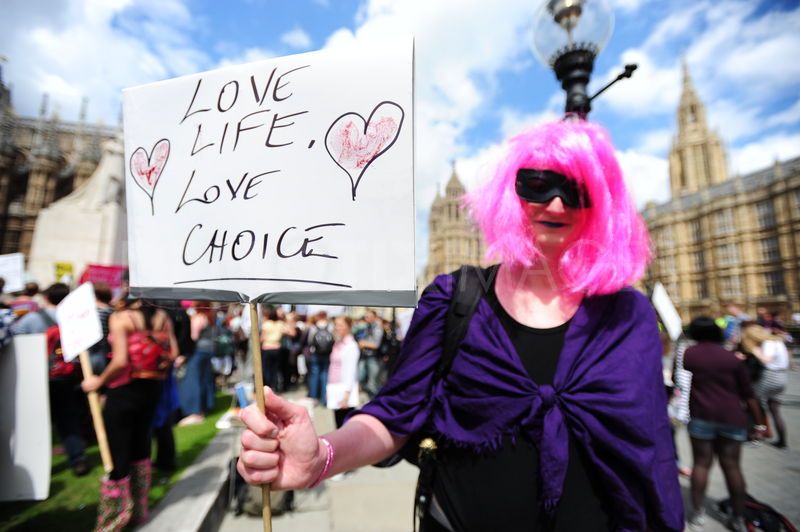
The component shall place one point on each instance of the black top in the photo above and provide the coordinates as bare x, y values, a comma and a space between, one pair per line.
499, 491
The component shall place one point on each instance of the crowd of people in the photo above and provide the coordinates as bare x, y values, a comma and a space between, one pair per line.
161, 364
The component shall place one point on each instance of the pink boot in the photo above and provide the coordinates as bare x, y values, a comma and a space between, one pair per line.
140, 490
116, 507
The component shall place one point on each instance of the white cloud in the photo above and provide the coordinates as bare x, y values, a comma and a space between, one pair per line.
647, 176
656, 141
651, 90
247, 56
512, 122
297, 38
461, 46
764, 152
90, 48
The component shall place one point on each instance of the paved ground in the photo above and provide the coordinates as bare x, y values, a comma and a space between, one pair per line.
381, 500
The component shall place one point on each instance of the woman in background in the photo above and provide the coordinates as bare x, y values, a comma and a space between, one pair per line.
342, 389
131, 398
720, 388
771, 351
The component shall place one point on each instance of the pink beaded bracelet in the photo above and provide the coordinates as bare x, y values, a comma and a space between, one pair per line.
328, 463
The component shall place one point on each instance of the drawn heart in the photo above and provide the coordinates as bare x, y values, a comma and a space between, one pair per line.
146, 169
354, 143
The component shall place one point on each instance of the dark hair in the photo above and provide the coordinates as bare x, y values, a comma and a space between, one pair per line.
102, 292
31, 289
704, 329
56, 292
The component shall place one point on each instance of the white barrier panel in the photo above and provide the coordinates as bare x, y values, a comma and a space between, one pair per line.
25, 450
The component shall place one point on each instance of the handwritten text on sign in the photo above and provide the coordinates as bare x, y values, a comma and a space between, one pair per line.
290, 178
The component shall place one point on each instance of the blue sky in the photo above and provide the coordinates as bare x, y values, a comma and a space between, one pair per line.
477, 80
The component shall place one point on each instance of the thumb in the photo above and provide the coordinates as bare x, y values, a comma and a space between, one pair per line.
280, 407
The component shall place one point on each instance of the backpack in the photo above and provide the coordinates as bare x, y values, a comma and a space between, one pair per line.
471, 284
58, 368
322, 342
149, 354
760, 515
224, 345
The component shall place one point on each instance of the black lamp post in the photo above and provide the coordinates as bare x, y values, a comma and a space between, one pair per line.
567, 36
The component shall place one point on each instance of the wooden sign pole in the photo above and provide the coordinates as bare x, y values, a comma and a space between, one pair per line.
255, 346
97, 416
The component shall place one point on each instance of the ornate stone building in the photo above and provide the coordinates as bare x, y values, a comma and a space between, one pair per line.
453, 240
41, 160
724, 240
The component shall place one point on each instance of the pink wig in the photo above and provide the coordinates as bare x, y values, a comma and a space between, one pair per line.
612, 249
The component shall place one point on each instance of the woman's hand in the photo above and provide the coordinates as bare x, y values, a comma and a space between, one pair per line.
281, 448
179, 360
91, 383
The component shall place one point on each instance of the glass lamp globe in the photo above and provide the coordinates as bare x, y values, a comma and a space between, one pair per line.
562, 26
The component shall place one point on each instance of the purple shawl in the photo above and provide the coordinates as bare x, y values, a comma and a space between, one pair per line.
607, 392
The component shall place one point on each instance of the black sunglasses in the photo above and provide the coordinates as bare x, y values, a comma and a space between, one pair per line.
541, 186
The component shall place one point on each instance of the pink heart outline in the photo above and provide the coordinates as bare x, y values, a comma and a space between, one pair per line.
360, 152
146, 173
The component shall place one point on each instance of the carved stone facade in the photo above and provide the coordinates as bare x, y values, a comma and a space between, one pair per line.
453, 239
41, 160
722, 240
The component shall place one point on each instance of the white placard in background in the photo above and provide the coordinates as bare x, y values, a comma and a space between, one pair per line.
12, 269
25, 451
288, 180
78, 321
666, 310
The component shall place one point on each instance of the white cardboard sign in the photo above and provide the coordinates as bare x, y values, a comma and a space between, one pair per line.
24, 420
78, 321
12, 268
667, 311
288, 180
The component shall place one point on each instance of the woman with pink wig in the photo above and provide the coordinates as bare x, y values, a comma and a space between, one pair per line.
551, 413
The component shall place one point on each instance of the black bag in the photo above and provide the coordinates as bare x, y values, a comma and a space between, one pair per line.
471, 285
761, 515
322, 343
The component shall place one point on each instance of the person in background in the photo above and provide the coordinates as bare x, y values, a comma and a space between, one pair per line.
99, 353
718, 425
370, 363
290, 347
25, 301
320, 345
343, 371
164, 419
271, 333
132, 393
68, 406
196, 389
771, 352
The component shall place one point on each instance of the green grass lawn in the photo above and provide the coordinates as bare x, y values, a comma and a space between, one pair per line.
72, 504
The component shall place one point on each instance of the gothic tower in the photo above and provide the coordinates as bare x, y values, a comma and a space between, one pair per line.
697, 157
452, 238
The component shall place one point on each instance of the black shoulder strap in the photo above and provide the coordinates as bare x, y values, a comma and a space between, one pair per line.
471, 285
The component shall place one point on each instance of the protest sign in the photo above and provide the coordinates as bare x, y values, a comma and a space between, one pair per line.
78, 322
24, 420
288, 180
666, 310
109, 274
64, 272
12, 268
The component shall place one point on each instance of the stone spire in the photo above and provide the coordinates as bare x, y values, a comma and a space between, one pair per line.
697, 158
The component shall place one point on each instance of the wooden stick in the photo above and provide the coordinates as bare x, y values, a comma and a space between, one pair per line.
97, 416
255, 346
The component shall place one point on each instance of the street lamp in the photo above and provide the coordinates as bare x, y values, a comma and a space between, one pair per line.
567, 36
